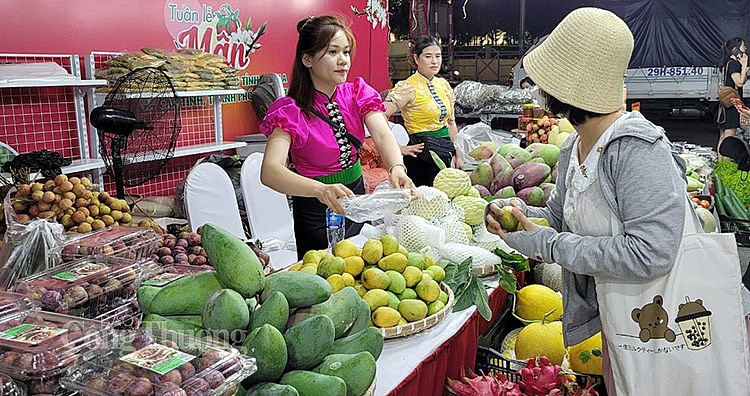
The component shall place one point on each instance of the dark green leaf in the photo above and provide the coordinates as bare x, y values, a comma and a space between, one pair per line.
506, 279
481, 299
585, 355
596, 352
465, 299
450, 275
513, 260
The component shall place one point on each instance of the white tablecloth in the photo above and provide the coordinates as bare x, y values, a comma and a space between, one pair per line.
401, 356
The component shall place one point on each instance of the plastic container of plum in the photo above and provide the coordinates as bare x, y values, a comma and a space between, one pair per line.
124, 317
86, 287
9, 387
38, 345
11, 303
131, 243
160, 362
163, 275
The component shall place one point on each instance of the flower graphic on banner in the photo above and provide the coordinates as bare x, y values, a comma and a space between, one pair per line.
226, 17
216, 31
376, 11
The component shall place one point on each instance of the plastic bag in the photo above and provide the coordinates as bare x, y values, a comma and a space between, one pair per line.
471, 136
384, 201
28, 248
475, 97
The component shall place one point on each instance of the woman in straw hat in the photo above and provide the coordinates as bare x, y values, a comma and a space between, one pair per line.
616, 218
608, 171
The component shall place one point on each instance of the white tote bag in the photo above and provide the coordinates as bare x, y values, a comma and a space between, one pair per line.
683, 333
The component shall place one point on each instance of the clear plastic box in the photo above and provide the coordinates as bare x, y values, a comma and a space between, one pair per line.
11, 303
155, 362
131, 243
85, 287
9, 387
125, 317
162, 275
37, 345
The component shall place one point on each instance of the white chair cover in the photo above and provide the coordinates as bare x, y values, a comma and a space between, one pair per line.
268, 214
209, 198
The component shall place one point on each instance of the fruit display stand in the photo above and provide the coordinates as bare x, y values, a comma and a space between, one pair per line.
426, 323
419, 364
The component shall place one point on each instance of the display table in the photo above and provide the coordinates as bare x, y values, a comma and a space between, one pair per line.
419, 364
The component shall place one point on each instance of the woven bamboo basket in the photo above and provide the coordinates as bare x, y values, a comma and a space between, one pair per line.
420, 325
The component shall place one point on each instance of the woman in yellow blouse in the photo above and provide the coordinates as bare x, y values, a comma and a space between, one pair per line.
426, 103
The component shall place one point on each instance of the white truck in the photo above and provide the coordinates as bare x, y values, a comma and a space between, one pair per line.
666, 91
673, 70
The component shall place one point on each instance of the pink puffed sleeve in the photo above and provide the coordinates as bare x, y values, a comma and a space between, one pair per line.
286, 115
366, 97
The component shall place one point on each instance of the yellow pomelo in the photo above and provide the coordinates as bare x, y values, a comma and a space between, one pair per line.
541, 339
353, 265
348, 279
586, 357
534, 301
344, 248
385, 316
336, 281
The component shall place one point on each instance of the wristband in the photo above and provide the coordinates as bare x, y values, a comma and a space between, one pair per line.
395, 165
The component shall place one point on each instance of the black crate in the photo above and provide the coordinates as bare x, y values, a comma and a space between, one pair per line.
740, 228
490, 360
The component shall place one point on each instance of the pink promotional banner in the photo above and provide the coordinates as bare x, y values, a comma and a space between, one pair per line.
255, 36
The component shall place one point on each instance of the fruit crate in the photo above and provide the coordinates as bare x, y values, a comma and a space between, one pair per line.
9, 387
125, 317
11, 303
131, 243
37, 348
490, 360
160, 362
86, 287
163, 275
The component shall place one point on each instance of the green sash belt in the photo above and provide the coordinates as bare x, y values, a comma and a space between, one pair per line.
440, 133
346, 176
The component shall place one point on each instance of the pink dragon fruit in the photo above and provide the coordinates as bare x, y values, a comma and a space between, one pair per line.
481, 385
541, 378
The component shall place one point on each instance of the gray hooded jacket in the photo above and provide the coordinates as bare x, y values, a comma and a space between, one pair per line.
645, 190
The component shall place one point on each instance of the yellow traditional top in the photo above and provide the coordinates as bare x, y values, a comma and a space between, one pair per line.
425, 105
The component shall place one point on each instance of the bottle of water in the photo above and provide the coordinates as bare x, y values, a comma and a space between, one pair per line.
334, 227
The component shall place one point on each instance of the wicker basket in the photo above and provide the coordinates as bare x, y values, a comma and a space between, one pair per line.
482, 271
426, 323
371, 390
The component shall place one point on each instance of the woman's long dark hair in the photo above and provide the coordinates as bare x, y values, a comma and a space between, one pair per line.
726, 50
315, 33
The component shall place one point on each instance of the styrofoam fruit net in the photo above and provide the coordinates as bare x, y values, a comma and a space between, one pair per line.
431, 203
489, 241
458, 252
415, 233
455, 231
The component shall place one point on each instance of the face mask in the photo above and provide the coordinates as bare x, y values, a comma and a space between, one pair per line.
539, 98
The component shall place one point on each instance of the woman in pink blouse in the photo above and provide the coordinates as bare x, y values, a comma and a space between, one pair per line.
321, 126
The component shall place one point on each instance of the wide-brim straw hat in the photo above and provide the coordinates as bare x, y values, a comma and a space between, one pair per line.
584, 60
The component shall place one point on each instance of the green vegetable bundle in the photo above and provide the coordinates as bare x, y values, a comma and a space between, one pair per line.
737, 180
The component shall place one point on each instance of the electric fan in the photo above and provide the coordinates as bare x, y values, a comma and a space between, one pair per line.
138, 124
269, 88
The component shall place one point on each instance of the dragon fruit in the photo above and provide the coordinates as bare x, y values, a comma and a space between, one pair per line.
481, 385
540, 377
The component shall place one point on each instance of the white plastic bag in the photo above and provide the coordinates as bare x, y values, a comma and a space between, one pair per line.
28, 248
382, 202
